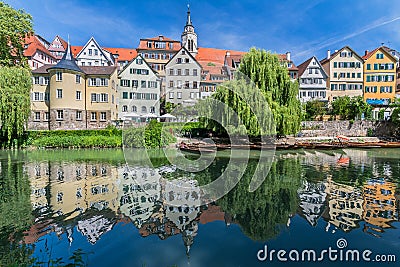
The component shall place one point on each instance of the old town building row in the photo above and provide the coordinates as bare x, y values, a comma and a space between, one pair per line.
90, 86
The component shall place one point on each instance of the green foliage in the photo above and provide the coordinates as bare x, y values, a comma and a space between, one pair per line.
15, 85
314, 108
169, 107
271, 77
15, 25
151, 136
15, 211
253, 121
110, 137
274, 201
351, 108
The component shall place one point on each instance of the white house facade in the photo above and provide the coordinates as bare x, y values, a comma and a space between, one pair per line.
139, 91
183, 76
93, 55
312, 81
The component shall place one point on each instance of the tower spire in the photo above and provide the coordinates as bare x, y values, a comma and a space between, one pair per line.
189, 20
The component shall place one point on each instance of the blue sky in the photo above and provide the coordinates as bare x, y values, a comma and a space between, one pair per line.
304, 27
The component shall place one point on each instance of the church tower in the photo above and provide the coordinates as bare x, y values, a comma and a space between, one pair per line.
189, 37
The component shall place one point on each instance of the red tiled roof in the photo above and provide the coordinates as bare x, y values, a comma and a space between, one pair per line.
157, 38
214, 55
382, 48
76, 50
232, 59
369, 54
303, 66
63, 42
33, 45
124, 54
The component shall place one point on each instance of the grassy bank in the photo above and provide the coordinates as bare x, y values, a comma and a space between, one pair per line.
108, 138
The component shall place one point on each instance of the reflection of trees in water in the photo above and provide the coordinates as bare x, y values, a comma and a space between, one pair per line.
262, 212
15, 211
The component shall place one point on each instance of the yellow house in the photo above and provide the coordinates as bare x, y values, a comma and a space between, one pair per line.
379, 77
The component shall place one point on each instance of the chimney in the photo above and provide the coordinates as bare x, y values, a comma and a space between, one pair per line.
228, 53
366, 52
328, 56
288, 58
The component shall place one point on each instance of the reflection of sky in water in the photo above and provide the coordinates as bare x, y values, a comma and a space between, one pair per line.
328, 190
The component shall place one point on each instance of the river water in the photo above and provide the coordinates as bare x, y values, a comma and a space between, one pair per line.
83, 207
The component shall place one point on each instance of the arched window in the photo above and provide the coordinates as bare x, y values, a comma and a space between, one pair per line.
124, 108
144, 109
134, 109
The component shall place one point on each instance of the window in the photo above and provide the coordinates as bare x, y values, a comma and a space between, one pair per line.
179, 72
78, 95
96, 52
194, 85
179, 60
335, 64
179, 84
171, 95
59, 93
58, 76
134, 109
171, 84
358, 75
93, 97
46, 80
103, 82
368, 66
353, 75
335, 74
78, 78
310, 70
93, 116
125, 83
125, 108
342, 75
187, 72
90, 52
78, 115
46, 116
194, 72
171, 72
152, 84
179, 95
153, 110
343, 54
103, 116
37, 116
316, 71
143, 84
124, 95
104, 98
379, 56
38, 96
60, 114
144, 109
36, 80
149, 44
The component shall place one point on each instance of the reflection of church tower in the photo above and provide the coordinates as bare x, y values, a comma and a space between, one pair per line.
189, 37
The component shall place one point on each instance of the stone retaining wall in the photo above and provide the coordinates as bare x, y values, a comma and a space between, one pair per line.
357, 128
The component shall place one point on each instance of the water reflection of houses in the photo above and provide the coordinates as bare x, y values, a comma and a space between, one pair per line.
379, 205
71, 189
312, 201
139, 191
345, 205
182, 207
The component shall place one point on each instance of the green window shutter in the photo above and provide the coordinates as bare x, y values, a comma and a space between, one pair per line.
335, 64
368, 78
368, 66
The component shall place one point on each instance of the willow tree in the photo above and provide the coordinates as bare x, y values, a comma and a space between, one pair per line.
15, 85
271, 76
15, 26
